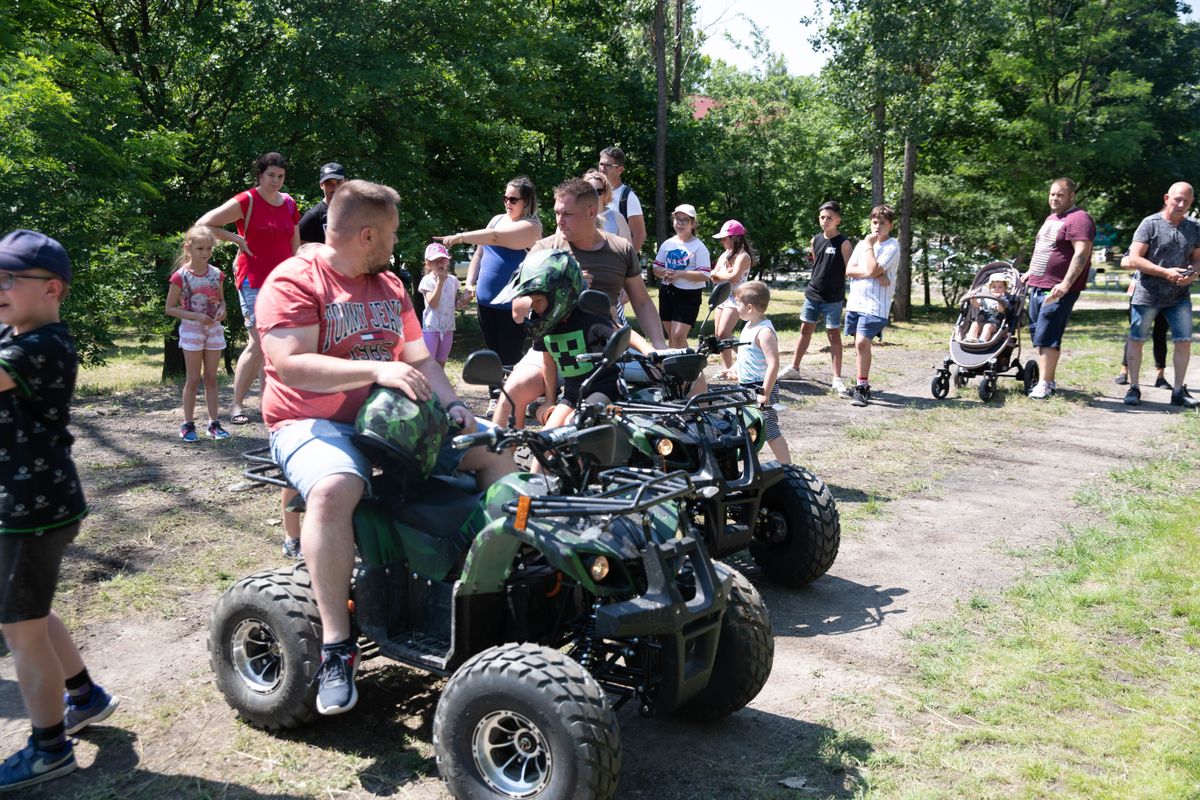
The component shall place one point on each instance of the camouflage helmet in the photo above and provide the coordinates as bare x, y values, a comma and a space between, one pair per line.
554, 273
391, 427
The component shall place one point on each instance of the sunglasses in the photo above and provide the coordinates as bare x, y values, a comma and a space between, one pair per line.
602, 165
9, 279
511, 200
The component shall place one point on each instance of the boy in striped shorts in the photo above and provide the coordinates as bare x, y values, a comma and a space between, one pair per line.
758, 360
871, 271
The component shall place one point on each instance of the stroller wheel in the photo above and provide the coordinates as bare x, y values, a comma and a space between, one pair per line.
1030, 375
987, 388
940, 386
960, 378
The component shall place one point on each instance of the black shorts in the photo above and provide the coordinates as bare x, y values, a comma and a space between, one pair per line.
679, 305
605, 385
29, 572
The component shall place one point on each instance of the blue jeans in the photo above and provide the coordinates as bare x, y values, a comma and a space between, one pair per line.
1178, 316
1048, 321
832, 312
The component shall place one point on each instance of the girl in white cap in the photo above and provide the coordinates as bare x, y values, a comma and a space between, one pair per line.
683, 265
440, 288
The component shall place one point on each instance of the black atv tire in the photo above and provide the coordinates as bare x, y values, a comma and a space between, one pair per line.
745, 653
264, 645
814, 529
543, 700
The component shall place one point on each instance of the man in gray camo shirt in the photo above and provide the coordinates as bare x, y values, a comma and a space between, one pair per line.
1166, 250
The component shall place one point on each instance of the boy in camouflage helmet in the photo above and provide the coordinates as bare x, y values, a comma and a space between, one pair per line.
543, 294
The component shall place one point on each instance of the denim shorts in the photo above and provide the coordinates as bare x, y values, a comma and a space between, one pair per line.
867, 325
1048, 321
1178, 316
310, 450
832, 312
249, 296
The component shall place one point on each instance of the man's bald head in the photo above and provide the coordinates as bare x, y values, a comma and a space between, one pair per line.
357, 204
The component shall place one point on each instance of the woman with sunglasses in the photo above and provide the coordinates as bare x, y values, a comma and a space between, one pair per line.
502, 247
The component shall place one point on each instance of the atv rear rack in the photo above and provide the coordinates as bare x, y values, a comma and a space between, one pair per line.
633, 492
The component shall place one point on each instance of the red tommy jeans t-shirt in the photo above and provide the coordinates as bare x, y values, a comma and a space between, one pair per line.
366, 318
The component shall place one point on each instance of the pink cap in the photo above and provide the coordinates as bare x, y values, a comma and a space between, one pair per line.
435, 251
731, 228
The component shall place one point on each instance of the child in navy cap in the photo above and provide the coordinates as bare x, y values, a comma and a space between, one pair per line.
41, 505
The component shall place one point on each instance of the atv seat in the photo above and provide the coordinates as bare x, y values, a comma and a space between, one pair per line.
439, 505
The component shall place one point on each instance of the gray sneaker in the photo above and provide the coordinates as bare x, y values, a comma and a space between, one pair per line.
1133, 397
1042, 390
291, 549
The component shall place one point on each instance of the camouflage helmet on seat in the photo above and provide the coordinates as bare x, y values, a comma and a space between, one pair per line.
554, 273
393, 428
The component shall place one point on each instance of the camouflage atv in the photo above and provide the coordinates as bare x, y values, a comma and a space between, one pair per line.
546, 607
784, 514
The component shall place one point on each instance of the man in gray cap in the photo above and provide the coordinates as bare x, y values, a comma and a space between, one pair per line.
312, 224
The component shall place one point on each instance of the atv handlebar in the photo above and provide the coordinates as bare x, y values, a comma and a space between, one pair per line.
466, 441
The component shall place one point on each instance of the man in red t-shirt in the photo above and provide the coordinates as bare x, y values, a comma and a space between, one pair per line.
1058, 271
333, 324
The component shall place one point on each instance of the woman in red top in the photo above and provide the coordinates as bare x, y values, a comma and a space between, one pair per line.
267, 235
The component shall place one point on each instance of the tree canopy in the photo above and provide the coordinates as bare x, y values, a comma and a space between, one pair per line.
124, 121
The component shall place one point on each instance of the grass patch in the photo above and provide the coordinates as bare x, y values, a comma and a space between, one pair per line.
1082, 683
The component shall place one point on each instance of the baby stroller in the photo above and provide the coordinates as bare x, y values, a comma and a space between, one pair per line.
998, 354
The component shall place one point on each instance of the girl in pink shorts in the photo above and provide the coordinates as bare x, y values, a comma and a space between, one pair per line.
197, 299
442, 300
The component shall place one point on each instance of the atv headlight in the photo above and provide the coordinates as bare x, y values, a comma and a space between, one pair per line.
599, 569
753, 434
665, 447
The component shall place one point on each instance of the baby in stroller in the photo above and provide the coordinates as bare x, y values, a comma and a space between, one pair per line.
989, 304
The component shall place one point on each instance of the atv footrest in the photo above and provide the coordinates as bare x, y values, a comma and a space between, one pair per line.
419, 650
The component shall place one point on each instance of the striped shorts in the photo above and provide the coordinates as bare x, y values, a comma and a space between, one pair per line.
196, 336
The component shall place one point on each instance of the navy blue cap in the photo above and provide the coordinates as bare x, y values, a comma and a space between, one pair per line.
24, 249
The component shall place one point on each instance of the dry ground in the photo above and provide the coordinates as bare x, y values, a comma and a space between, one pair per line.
941, 502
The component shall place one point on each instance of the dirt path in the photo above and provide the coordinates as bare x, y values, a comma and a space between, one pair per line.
838, 642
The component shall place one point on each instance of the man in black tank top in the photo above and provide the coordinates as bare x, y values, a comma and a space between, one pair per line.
825, 294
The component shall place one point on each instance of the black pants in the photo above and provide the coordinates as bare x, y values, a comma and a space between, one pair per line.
501, 334
1159, 340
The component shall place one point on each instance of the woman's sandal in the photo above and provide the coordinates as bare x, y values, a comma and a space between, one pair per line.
239, 418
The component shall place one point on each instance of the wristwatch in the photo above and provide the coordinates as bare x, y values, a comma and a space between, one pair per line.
455, 404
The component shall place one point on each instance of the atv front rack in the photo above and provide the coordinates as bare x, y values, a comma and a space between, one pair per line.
712, 400
632, 491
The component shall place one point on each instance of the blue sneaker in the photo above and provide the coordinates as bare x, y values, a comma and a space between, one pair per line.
187, 432
215, 431
76, 718
29, 766
335, 680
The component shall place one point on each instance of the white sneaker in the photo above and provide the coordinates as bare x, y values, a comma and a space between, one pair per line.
790, 374
1042, 390
839, 386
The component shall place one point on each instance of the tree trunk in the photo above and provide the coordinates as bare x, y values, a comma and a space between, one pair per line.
677, 67
877, 153
173, 366
904, 276
660, 139
925, 269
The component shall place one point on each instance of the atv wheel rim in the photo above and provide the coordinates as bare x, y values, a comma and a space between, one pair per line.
511, 754
254, 651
